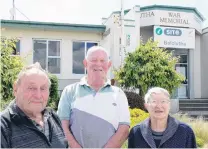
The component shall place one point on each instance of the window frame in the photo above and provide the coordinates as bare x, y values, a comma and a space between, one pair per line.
47, 56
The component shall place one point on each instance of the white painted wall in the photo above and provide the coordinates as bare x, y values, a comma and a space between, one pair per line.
204, 64
131, 14
67, 37
197, 67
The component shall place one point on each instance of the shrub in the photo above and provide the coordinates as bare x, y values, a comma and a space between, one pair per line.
134, 100
54, 96
10, 67
137, 116
5, 103
149, 66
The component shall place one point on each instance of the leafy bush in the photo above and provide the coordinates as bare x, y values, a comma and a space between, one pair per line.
137, 116
4, 104
149, 66
10, 67
134, 100
54, 96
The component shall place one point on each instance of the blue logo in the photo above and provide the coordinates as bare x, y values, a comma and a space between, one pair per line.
158, 31
172, 32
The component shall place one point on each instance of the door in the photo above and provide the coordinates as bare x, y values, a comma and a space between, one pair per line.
182, 67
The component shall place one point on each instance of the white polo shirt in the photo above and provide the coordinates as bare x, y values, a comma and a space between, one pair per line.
94, 116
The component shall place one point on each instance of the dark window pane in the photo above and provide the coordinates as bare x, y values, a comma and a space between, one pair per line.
54, 65
91, 44
53, 48
39, 52
183, 59
78, 57
16, 49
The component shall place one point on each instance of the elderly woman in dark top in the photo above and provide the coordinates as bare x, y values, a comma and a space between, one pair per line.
160, 130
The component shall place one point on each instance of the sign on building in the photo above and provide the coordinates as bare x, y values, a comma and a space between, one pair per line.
171, 37
170, 18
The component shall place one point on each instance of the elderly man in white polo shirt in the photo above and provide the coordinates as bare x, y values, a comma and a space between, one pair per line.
94, 113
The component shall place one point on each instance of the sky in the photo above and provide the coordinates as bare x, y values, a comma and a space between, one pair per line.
84, 11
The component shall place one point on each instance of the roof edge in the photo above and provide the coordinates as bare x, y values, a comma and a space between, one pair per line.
49, 23
53, 25
182, 8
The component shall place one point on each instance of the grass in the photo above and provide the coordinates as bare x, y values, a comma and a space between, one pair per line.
199, 126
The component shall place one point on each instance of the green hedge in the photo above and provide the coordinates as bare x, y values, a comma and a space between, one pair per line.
9, 69
135, 100
54, 96
137, 116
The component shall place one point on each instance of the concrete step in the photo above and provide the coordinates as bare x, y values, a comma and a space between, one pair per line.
193, 101
196, 112
187, 108
193, 105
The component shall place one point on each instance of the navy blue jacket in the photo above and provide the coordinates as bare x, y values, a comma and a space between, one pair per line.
177, 135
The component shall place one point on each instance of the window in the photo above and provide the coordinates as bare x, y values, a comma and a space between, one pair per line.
47, 53
16, 49
79, 52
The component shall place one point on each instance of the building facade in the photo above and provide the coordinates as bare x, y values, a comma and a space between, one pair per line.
60, 48
178, 29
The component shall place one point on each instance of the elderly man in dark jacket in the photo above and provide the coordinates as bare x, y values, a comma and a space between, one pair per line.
160, 130
26, 122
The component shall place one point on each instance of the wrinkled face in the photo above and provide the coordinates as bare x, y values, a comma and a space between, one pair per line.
32, 92
97, 66
159, 106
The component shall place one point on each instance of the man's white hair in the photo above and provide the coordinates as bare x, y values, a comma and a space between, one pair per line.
155, 90
26, 69
96, 48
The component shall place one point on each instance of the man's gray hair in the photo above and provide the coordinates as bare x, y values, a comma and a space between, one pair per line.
26, 69
96, 48
155, 90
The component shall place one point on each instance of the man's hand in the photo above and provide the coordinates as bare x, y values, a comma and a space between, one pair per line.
70, 138
117, 140
74, 144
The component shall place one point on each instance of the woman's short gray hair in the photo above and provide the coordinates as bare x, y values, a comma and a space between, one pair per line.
28, 68
155, 90
96, 48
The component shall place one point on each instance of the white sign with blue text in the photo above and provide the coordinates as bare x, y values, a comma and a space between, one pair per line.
171, 37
